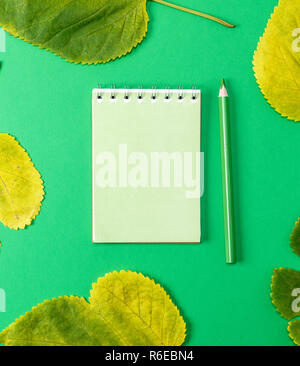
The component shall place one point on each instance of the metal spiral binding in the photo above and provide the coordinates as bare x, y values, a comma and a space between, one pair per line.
167, 94
180, 95
153, 93
99, 95
140, 93
153, 96
194, 95
126, 94
113, 92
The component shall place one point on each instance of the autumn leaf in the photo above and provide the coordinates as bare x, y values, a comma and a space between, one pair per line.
125, 309
286, 289
21, 188
284, 281
294, 331
286, 297
82, 31
295, 238
277, 60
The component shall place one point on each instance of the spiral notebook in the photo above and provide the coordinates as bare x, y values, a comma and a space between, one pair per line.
147, 166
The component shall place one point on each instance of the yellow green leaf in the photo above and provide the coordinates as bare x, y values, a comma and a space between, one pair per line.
285, 291
125, 309
82, 31
294, 331
295, 238
141, 304
21, 188
65, 321
277, 60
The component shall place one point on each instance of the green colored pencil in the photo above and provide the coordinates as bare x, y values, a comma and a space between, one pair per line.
229, 230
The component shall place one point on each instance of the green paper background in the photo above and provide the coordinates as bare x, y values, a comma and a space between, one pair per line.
46, 103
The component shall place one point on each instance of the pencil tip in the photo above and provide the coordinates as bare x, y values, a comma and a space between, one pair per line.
223, 90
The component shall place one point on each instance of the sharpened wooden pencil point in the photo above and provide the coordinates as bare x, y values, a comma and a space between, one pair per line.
223, 91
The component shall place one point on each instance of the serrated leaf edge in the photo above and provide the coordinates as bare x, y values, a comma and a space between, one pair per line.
89, 303
76, 62
34, 308
274, 301
37, 211
290, 335
291, 239
255, 74
95, 284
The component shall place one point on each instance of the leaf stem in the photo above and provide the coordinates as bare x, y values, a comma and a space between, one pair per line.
203, 15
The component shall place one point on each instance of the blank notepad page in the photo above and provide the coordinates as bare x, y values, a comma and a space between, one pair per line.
147, 168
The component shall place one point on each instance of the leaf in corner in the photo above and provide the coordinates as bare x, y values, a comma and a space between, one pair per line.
295, 238
21, 187
285, 291
294, 331
125, 309
81, 31
277, 60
